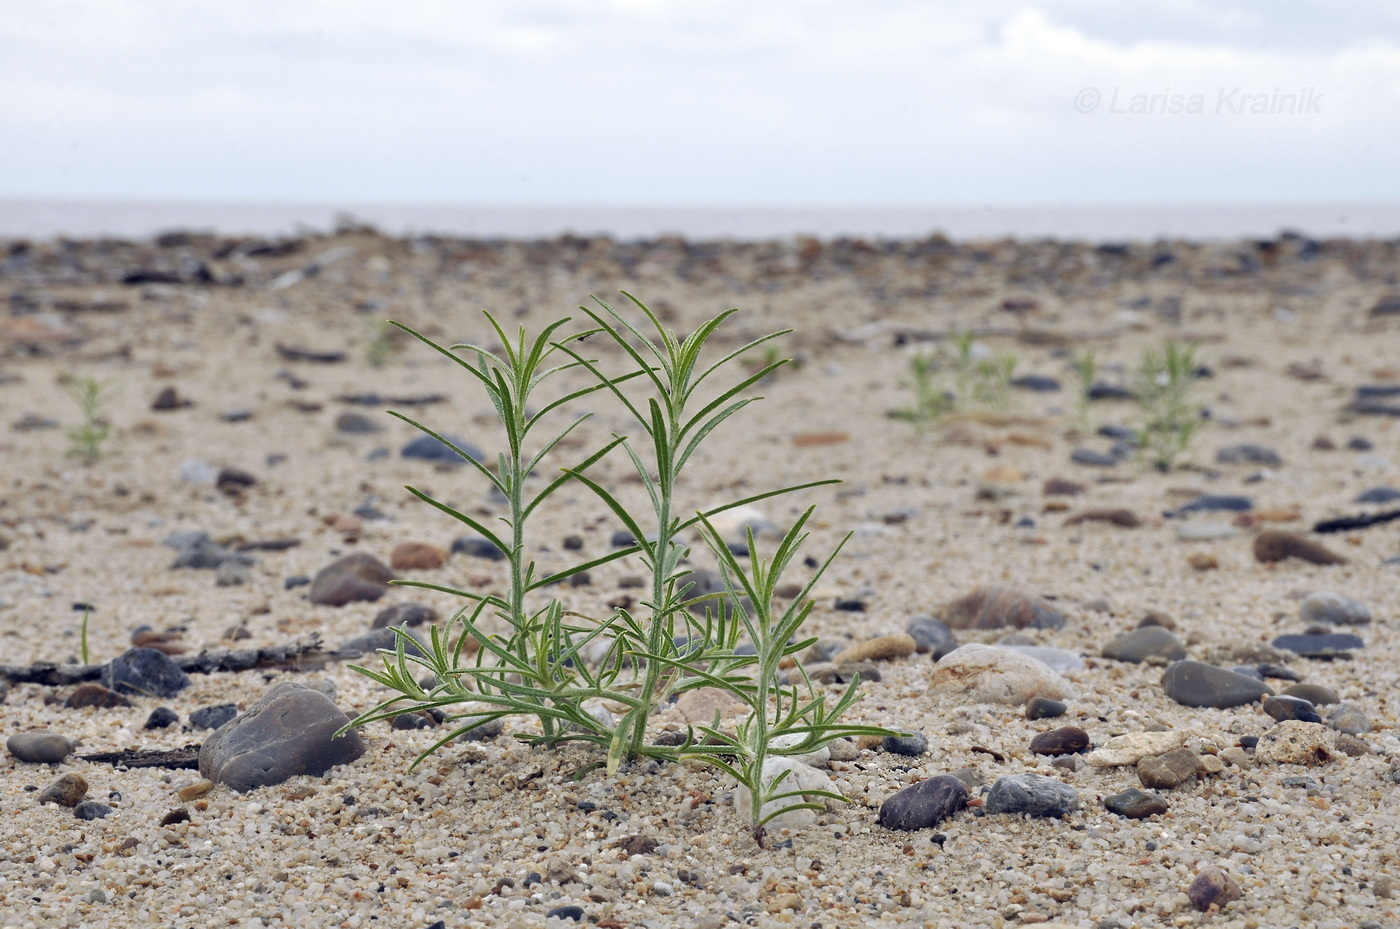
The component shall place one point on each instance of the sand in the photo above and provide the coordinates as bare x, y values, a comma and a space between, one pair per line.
1285, 329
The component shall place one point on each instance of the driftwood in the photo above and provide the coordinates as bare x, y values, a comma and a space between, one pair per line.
305, 654
175, 758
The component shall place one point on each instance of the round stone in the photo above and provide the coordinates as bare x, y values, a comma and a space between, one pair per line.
68, 790
1194, 683
1066, 740
1144, 643
1032, 794
925, 804
1044, 708
1135, 804
1281, 707
1315, 694
39, 747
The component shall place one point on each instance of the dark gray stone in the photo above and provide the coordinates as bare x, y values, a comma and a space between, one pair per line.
1143, 643
212, 717
1032, 794
427, 448
1319, 645
376, 639
202, 553
566, 912
1213, 887
1378, 495
1315, 694
1044, 708
913, 745
1135, 804
1092, 458
1066, 740
145, 671
184, 539
1194, 683
1247, 453
923, 805
1283, 707
92, 809
931, 635
351, 423
1206, 503
288, 731
161, 717
39, 747
477, 547
404, 614
1037, 383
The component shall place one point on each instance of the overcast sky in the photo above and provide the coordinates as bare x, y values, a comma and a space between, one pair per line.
635, 102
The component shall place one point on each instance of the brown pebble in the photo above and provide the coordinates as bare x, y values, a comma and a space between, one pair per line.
94, 694
882, 648
1213, 887
417, 556
998, 607
1163, 772
1118, 516
198, 789
1061, 487
1158, 618
68, 790
169, 641
810, 439
175, 816
1203, 561
1066, 740
1276, 545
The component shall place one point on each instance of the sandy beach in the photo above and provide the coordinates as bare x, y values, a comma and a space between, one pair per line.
227, 368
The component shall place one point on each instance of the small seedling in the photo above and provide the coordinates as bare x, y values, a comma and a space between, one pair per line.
931, 401
85, 441
1165, 384
1086, 369
83, 634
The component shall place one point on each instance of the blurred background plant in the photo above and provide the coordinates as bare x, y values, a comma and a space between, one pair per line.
1165, 384
87, 439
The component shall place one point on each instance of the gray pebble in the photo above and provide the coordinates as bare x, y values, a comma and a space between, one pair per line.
1334, 609
1147, 642
1066, 740
92, 809
1135, 804
1349, 719
145, 671
1378, 495
290, 730
1319, 645
232, 573
161, 717
1044, 708
212, 717
1194, 683
1092, 458
1282, 707
404, 614
913, 745
1315, 694
39, 747
477, 547
1246, 453
931, 635
68, 790
352, 423
1032, 794
427, 448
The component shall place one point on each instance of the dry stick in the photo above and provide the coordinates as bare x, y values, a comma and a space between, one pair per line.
301, 654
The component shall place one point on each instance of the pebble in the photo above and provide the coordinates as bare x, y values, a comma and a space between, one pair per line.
1194, 683
404, 614
1213, 887
1144, 643
999, 607
1205, 531
92, 809
161, 717
1209, 503
699, 707
882, 648
1295, 742
416, 556
987, 674
1349, 719
354, 577
477, 547
191, 792
232, 572
201, 552
1135, 804
1132, 747
1117, 516
931, 636
923, 805
1246, 453
1036, 383
1378, 495
353, 423
1044, 708
1334, 609
68, 790
427, 448
1031, 793
287, 732
565, 912
799, 777
1157, 618
1059, 660
1282, 707
1319, 645
146, 671
1066, 740
212, 717
1277, 545
376, 639
913, 745
94, 694
1168, 770
1315, 694
1061, 487
1093, 458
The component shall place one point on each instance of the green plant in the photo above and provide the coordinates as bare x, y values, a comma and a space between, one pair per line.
1165, 384
992, 382
931, 401
83, 634
383, 344
1086, 369
85, 440
565, 669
